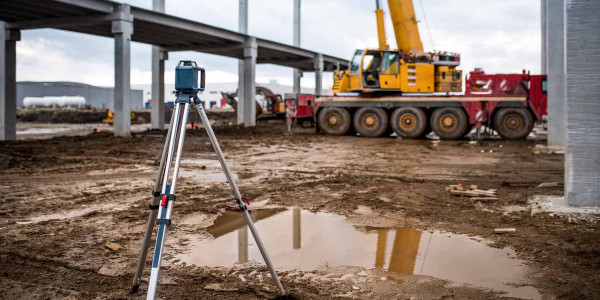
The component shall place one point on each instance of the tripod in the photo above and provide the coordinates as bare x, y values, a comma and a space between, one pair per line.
163, 199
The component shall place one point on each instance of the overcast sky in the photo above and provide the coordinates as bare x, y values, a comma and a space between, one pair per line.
502, 36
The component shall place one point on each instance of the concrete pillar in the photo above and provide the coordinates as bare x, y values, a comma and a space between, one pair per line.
122, 30
582, 152
297, 74
319, 74
8, 82
157, 116
242, 28
555, 56
248, 100
544, 46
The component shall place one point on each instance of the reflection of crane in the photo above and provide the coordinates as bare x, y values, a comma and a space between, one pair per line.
405, 70
404, 250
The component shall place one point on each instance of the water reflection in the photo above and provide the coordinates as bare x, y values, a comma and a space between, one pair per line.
318, 239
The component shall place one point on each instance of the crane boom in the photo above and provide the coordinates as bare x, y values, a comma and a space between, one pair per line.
380, 26
405, 26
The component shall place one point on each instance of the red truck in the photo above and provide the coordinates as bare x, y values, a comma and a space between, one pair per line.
510, 104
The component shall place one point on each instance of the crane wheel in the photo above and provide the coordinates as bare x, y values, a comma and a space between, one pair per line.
370, 121
408, 122
513, 123
449, 123
334, 120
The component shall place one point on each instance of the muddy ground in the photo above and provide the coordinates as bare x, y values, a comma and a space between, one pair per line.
64, 198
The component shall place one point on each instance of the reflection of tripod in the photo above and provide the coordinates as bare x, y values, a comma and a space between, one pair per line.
187, 84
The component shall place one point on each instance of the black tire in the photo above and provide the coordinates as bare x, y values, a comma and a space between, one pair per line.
449, 123
370, 121
334, 120
408, 122
513, 123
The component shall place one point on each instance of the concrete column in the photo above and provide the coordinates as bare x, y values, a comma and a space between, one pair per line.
555, 56
122, 30
582, 152
157, 116
242, 28
8, 82
296, 73
319, 74
248, 101
544, 46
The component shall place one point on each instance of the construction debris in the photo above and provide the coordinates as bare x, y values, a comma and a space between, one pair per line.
472, 192
113, 246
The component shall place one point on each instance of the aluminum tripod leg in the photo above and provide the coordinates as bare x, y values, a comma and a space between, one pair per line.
168, 192
238, 196
153, 212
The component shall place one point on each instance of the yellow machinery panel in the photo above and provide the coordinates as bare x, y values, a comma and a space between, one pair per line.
448, 79
417, 78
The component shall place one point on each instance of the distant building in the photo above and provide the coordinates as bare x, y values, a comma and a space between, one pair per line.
97, 97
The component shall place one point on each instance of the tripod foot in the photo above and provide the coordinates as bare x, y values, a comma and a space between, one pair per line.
135, 288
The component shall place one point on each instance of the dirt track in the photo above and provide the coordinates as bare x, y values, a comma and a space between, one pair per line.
65, 198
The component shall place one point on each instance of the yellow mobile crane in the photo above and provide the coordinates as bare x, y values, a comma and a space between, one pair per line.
406, 70
412, 92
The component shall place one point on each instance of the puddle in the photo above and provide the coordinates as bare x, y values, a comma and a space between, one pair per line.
301, 240
204, 170
67, 214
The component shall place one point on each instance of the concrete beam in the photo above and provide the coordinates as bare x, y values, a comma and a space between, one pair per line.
67, 22
122, 31
319, 74
8, 82
555, 56
242, 28
157, 115
297, 74
582, 152
248, 98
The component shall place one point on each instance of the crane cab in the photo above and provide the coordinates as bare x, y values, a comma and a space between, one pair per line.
382, 70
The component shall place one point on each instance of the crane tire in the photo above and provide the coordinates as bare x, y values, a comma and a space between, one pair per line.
370, 121
513, 123
449, 123
334, 120
409, 122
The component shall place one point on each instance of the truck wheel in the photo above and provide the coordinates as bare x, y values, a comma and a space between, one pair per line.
513, 123
449, 123
408, 122
370, 121
334, 120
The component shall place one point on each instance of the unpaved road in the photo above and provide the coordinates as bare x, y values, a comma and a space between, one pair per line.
63, 199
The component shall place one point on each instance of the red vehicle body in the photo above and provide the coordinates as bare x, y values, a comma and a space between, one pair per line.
507, 103
303, 107
478, 84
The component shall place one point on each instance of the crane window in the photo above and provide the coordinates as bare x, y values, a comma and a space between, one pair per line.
355, 63
390, 63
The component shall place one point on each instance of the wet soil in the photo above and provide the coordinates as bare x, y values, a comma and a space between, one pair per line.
66, 202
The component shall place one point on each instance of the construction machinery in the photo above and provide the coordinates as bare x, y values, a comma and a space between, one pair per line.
412, 92
110, 117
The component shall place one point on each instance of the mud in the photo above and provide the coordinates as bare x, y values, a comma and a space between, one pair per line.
64, 198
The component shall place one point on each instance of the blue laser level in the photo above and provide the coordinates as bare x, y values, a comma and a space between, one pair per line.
189, 78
